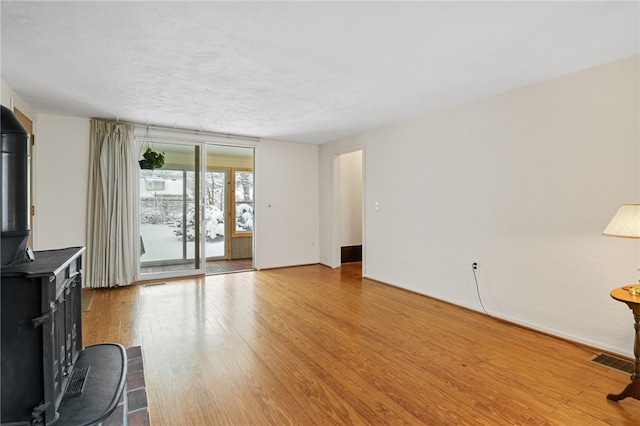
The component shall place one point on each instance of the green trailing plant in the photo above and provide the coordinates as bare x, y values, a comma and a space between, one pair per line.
152, 159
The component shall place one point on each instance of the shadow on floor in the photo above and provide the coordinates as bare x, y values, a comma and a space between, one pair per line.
226, 266
213, 267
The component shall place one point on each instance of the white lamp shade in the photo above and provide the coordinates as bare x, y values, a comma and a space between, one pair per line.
625, 223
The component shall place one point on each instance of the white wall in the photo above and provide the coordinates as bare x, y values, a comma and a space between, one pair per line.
351, 199
61, 168
286, 204
522, 183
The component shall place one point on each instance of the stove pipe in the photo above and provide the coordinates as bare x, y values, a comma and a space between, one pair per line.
14, 184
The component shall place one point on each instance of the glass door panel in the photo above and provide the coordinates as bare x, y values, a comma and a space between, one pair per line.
170, 213
243, 202
215, 214
229, 194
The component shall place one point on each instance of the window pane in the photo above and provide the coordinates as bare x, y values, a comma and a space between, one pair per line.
244, 186
244, 217
244, 201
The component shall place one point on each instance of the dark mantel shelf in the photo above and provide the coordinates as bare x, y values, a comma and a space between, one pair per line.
47, 262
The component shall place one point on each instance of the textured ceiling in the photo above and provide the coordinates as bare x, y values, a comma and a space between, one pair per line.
298, 71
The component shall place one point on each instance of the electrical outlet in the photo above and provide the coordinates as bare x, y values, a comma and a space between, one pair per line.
474, 265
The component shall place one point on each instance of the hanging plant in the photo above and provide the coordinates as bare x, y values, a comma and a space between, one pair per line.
150, 159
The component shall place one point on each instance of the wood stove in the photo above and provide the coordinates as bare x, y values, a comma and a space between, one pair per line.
48, 377
41, 334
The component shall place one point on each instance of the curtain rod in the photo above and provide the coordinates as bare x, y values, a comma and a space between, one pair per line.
196, 132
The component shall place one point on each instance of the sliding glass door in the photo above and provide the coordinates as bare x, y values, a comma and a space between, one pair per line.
170, 213
196, 211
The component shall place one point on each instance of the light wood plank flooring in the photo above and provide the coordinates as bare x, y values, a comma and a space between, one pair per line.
314, 346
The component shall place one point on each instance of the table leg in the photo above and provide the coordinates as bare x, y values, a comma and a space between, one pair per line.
633, 389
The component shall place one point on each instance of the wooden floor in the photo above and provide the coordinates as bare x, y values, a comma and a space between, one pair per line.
315, 346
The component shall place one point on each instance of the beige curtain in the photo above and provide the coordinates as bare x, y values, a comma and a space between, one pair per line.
112, 224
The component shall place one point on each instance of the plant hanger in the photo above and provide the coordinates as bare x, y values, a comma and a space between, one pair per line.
151, 159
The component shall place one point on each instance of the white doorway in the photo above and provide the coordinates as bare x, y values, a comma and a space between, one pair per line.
348, 239
351, 207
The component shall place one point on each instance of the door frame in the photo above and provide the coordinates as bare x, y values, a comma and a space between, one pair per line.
235, 164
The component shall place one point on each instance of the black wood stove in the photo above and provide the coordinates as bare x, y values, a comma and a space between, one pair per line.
48, 377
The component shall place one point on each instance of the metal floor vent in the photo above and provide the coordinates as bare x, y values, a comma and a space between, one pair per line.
613, 362
76, 382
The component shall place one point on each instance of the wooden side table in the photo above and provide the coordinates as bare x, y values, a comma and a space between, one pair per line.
632, 390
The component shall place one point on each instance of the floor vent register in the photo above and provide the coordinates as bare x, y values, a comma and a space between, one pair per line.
614, 363
76, 382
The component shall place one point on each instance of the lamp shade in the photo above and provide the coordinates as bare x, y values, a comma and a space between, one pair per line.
625, 223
